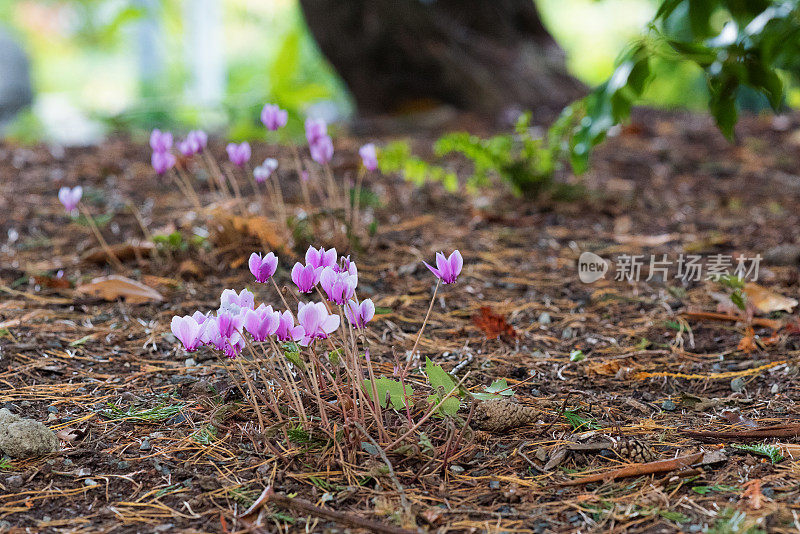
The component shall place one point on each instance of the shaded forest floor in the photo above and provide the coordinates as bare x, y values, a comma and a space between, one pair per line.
651, 362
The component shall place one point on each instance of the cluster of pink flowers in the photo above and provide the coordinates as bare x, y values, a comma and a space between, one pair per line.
323, 269
237, 314
161, 143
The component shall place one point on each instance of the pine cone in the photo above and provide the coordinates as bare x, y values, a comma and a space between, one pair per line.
499, 415
634, 450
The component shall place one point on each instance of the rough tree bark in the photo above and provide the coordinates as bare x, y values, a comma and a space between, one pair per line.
478, 55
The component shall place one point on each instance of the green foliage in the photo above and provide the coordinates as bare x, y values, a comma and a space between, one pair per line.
736, 285
702, 490
579, 422
770, 451
175, 242
160, 413
525, 162
292, 353
396, 158
442, 384
736, 44
390, 392
5, 464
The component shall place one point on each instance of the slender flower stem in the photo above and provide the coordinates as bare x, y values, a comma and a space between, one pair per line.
236, 192
190, 189
298, 164
280, 293
110, 253
357, 197
215, 171
419, 334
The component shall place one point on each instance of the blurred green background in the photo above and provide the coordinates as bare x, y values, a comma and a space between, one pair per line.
100, 66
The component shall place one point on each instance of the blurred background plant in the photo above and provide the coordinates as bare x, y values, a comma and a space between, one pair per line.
100, 66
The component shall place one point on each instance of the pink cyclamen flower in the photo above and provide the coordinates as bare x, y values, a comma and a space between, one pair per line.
160, 141
274, 117
345, 266
287, 331
447, 269
359, 314
265, 170
162, 162
263, 268
322, 150
186, 147
200, 317
224, 333
262, 322
231, 301
305, 277
321, 257
369, 156
188, 331
238, 154
339, 287
198, 139
317, 323
70, 197
315, 130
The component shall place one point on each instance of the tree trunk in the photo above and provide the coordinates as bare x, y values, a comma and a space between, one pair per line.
488, 56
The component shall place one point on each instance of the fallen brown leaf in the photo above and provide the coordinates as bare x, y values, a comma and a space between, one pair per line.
493, 325
766, 300
116, 287
123, 251
752, 493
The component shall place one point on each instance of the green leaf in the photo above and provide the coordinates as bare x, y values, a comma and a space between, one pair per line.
497, 390
442, 383
391, 389
449, 407
437, 377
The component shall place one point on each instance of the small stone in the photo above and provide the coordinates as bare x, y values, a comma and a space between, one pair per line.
737, 384
567, 333
14, 481
122, 465
494, 484
668, 406
456, 469
24, 438
52, 409
145, 446
544, 318
84, 472
774, 389
89, 482
190, 362
51, 417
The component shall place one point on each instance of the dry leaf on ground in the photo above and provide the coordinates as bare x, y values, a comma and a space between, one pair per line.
119, 287
767, 301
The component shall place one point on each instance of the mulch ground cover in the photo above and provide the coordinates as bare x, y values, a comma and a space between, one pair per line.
661, 390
